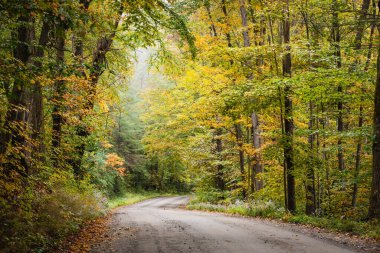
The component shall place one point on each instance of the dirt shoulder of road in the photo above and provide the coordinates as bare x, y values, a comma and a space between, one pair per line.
94, 231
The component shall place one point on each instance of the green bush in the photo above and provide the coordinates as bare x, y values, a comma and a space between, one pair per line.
44, 216
254, 208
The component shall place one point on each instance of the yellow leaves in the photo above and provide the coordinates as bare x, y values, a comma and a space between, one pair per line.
103, 106
105, 144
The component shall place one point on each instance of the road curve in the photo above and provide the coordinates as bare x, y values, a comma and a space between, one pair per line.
158, 225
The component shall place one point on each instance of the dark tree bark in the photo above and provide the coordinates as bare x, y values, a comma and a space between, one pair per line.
361, 24
243, 14
220, 168
23, 120
77, 41
357, 161
288, 114
11, 136
36, 110
239, 139
310, 183
374, 202
103, 46
224, 10
310, 174
358, 46
60, 89
336, 38
212, 26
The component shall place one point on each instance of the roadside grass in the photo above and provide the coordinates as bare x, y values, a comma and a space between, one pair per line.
369, 229
130, 198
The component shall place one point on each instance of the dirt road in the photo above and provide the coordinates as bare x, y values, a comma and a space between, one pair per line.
158, 225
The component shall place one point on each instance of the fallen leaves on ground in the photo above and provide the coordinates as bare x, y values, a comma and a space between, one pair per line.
90, 233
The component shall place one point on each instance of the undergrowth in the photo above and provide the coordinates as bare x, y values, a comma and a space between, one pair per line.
271, 210
45, 214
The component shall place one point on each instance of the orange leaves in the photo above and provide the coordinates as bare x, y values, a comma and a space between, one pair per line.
113, 160
92, 233
115, 163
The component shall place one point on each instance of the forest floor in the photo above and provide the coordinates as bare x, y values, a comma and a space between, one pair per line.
163, 225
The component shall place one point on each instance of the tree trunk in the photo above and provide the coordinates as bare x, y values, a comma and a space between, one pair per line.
358, 45
288, 114
338, 59
212, 24
310, 182
310, 173
228, 35
104, 44
239, 139
374, 202
60, 89
361, 24
220, 168
257, 167
243, 14
256, 139
16, 113
23, 120
357, 161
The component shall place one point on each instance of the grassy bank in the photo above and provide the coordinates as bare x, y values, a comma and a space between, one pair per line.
131, 198
273, 211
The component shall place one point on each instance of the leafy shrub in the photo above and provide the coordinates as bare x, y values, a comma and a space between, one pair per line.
210, 196
47, 216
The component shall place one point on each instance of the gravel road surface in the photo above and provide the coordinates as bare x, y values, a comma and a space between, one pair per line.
160, 225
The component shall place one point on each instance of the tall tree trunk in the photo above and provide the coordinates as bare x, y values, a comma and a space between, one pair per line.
310, 173
23, 119
218, 131
257, 166
310, 182
338, 59
239, 139
357, 162
11, 136
212, 24
374, 202
103, 46
220, 168
358, 46
228, 35
361, 24
60, 89
288, 113
256, 138
243, 14
77, 41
